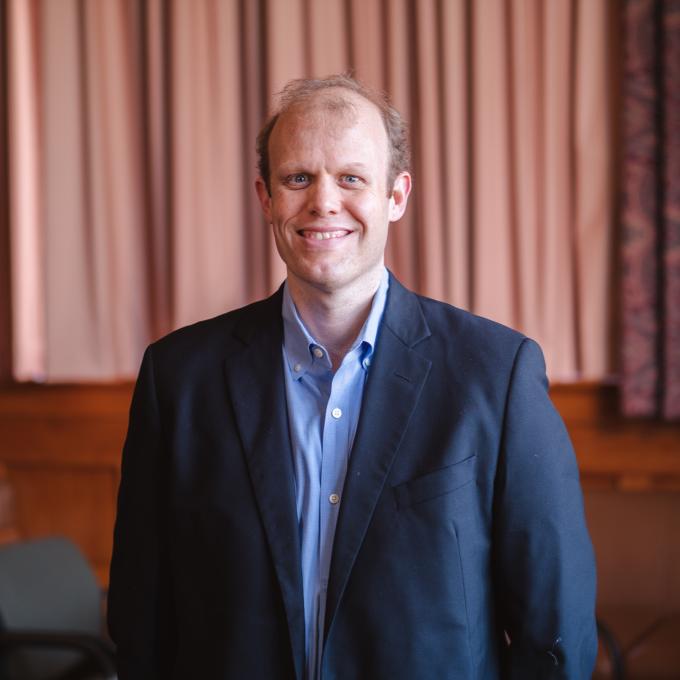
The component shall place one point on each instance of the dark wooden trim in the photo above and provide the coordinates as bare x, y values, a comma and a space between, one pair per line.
61, 447
84, 425
615, 452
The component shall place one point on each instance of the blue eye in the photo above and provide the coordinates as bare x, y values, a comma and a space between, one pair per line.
296, 180
351, 179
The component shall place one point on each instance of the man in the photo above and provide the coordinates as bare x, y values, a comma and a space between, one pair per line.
346, 480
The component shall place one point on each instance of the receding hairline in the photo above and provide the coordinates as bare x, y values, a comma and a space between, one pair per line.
335, 97
342, 104
340, 93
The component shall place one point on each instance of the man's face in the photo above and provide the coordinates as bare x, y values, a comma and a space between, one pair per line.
329, 206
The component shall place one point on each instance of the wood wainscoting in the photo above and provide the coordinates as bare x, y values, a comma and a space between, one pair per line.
61, 446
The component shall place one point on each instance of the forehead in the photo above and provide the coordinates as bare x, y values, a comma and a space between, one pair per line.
338, 121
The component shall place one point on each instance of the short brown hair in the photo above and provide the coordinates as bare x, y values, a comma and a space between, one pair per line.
298, 91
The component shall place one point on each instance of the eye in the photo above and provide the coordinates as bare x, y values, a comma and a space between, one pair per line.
352, 180
299, 179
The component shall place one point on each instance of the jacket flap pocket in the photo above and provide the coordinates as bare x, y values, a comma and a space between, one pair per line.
435, 483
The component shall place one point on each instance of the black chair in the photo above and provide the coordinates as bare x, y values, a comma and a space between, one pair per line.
612, 649
51, 614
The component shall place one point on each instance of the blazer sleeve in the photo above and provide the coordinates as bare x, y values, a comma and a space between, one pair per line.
543, 557
139, 602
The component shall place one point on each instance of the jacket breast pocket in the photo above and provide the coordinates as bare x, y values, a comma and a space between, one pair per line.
436, 483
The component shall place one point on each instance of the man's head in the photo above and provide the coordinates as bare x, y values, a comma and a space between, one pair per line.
329, 189
302, 92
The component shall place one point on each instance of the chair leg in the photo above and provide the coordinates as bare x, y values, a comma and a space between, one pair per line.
613, 648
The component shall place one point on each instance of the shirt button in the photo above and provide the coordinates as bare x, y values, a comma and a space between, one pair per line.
336, 413
297, 368
318, 352
334, 499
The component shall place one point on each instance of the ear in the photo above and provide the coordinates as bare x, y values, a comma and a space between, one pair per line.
399, 198
265, 198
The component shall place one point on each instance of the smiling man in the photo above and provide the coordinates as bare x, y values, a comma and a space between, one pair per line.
330, 194
347, 480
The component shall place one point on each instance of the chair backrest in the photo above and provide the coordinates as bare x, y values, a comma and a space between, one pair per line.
47, 585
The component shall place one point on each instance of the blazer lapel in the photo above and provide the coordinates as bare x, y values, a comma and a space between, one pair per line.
394, 385
256, 384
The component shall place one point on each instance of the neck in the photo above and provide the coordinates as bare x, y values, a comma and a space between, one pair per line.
334, 317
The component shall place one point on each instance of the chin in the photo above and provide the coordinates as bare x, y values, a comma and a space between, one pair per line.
325, 280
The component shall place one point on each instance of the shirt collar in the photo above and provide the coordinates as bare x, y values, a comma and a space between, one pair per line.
298, 342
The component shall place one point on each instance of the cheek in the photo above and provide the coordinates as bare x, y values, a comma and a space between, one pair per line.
286, 207
373, 213
367, 207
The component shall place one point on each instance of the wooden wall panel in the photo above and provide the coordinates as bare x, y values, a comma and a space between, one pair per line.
628, 455
637, 545
78, 502
61, 446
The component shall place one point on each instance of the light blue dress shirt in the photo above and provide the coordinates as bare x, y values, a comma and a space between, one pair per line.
323, 412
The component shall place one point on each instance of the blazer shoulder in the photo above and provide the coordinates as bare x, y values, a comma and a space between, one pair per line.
220, 333
454, 325
477, 346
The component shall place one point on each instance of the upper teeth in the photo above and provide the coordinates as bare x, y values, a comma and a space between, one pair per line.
323, 235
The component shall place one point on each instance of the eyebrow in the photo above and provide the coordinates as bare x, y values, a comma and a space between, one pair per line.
292, 168
356, 164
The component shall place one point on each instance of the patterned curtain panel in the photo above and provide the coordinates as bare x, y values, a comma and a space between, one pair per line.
651, 210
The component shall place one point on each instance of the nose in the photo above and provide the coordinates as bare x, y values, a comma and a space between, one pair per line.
324, 197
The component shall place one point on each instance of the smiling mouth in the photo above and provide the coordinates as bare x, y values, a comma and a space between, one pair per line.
322, 235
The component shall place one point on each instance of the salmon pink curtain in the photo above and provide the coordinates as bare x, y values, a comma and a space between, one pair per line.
130, 127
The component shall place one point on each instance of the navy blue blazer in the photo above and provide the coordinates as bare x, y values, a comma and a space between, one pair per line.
461, 526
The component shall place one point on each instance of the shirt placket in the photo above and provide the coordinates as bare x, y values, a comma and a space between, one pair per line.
333, 469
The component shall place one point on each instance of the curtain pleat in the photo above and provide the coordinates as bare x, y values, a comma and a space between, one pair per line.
26, 237
5, 260
132, 128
